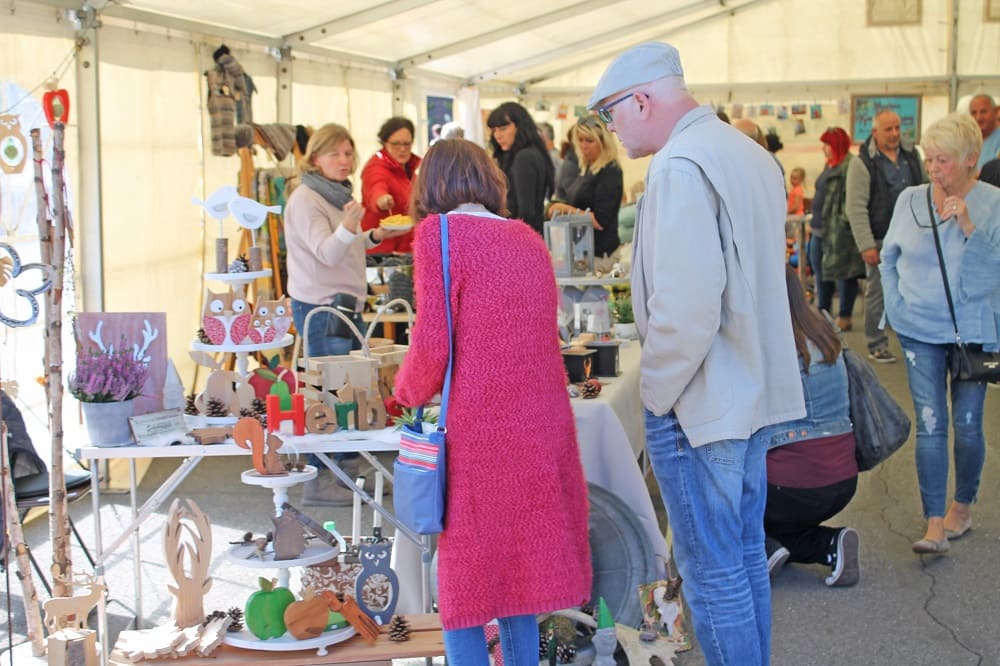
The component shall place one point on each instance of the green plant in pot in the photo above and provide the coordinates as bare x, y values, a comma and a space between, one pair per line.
624, 318
106, 383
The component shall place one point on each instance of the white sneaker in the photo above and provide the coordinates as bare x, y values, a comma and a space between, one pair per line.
777, 560
847, 569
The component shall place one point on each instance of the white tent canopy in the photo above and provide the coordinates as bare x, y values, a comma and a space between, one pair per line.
138, 125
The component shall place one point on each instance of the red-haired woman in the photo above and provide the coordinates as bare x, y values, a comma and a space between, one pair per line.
833, 255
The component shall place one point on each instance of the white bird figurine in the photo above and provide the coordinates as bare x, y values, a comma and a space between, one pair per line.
249, 213
217, 205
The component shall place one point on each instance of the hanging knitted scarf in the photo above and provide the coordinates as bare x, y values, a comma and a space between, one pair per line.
336, 194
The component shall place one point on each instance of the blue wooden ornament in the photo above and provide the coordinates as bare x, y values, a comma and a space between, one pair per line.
375, 560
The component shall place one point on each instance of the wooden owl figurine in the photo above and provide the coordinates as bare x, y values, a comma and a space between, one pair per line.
226, 318
375, 561
271, 320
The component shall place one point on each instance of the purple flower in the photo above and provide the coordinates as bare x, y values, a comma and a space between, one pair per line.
108, 377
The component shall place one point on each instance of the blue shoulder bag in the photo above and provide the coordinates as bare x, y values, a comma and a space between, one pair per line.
419, 469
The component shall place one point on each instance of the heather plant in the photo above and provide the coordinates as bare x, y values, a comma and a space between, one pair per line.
111, 376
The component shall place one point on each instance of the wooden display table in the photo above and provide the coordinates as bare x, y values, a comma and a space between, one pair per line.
425, 641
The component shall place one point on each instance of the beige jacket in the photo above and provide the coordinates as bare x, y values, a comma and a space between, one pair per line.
708, 285
324, 258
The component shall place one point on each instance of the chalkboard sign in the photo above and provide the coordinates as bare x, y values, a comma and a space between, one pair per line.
864, 108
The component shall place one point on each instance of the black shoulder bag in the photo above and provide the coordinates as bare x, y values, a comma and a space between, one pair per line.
967, 362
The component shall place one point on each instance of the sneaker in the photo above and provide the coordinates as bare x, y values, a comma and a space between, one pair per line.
847, 565
776, 561
882, 356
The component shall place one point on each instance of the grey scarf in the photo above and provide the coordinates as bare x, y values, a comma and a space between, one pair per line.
336, 194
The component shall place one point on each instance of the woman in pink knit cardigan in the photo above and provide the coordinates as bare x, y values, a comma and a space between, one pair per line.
515, 541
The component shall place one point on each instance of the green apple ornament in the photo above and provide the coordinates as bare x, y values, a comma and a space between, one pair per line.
265, 609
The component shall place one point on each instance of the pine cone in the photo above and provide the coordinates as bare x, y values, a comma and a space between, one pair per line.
189, 406
215, 407
565, 653
239, 264
399, 629
203, 337
259, 407
237, 614
590, 388
214, 615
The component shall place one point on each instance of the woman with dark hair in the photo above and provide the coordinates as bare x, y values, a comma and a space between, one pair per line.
503, 292
386, 181
521, 153
597, 187
811, 470
833, 255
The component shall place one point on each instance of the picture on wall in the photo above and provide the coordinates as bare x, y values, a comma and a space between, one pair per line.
440, 110
864, 108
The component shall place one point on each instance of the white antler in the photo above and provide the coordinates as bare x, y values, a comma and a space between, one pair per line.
95, 335
148, 335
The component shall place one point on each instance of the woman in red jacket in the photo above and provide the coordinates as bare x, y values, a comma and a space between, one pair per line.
386, 181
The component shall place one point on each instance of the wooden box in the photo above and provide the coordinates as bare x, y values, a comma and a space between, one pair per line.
606, 363
579, 363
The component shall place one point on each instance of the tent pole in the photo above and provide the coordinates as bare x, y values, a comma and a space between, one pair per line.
90, 231
953, 58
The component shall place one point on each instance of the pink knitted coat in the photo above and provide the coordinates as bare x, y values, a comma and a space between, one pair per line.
515, 540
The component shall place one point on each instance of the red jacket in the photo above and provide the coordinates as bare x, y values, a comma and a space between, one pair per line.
384, 175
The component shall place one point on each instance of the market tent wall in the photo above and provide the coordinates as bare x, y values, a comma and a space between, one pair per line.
356, 63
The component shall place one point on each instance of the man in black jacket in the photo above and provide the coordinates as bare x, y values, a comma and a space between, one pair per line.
884, 169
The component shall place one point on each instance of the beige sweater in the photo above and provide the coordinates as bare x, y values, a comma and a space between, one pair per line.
324, 258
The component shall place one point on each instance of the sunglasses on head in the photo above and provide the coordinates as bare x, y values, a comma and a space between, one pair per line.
590, 121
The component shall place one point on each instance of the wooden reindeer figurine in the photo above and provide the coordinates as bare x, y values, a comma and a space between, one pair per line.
249, 434
71, 612
191, 582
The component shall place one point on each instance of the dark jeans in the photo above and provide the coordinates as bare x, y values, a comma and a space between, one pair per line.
847, 290
793, 516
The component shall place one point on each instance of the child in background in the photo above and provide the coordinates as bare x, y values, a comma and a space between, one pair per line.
796, 205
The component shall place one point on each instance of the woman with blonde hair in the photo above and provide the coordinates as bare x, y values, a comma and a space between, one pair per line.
597, 188
966, 214
326, 262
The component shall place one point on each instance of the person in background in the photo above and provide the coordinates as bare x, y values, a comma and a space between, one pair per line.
990, 173
386, 180
718, 358
503, 292
773, 144
570, 167
521, 153
984, 111
326, 260
796, 194
812, 473
833, 253
752, 130
452, 130
597, 188
884, 168
626, 214
549, 137
966, 213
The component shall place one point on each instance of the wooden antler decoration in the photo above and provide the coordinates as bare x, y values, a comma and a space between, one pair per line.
193, 581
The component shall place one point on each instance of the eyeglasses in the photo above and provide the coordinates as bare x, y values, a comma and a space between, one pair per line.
604, 112
399, 144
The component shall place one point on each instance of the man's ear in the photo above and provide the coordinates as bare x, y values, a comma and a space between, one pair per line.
642, 101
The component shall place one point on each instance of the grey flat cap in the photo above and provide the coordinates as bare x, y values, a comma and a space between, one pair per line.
640, 64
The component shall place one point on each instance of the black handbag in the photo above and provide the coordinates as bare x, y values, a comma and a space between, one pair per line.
347, 304
967, 362
880, 424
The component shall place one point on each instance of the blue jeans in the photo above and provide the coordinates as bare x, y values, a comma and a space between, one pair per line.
927, 372
847, 290
715, 496
518, 640
321, 341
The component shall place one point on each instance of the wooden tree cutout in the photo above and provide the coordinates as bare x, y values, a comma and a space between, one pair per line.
192, 581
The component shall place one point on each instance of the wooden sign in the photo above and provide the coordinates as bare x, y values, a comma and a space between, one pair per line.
158, 428
145, 333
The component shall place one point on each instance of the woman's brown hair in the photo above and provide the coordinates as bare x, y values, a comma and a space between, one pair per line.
808, 323
454, 172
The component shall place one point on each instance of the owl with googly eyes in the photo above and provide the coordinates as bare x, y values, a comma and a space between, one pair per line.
271, 320
375, 562
226, 318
